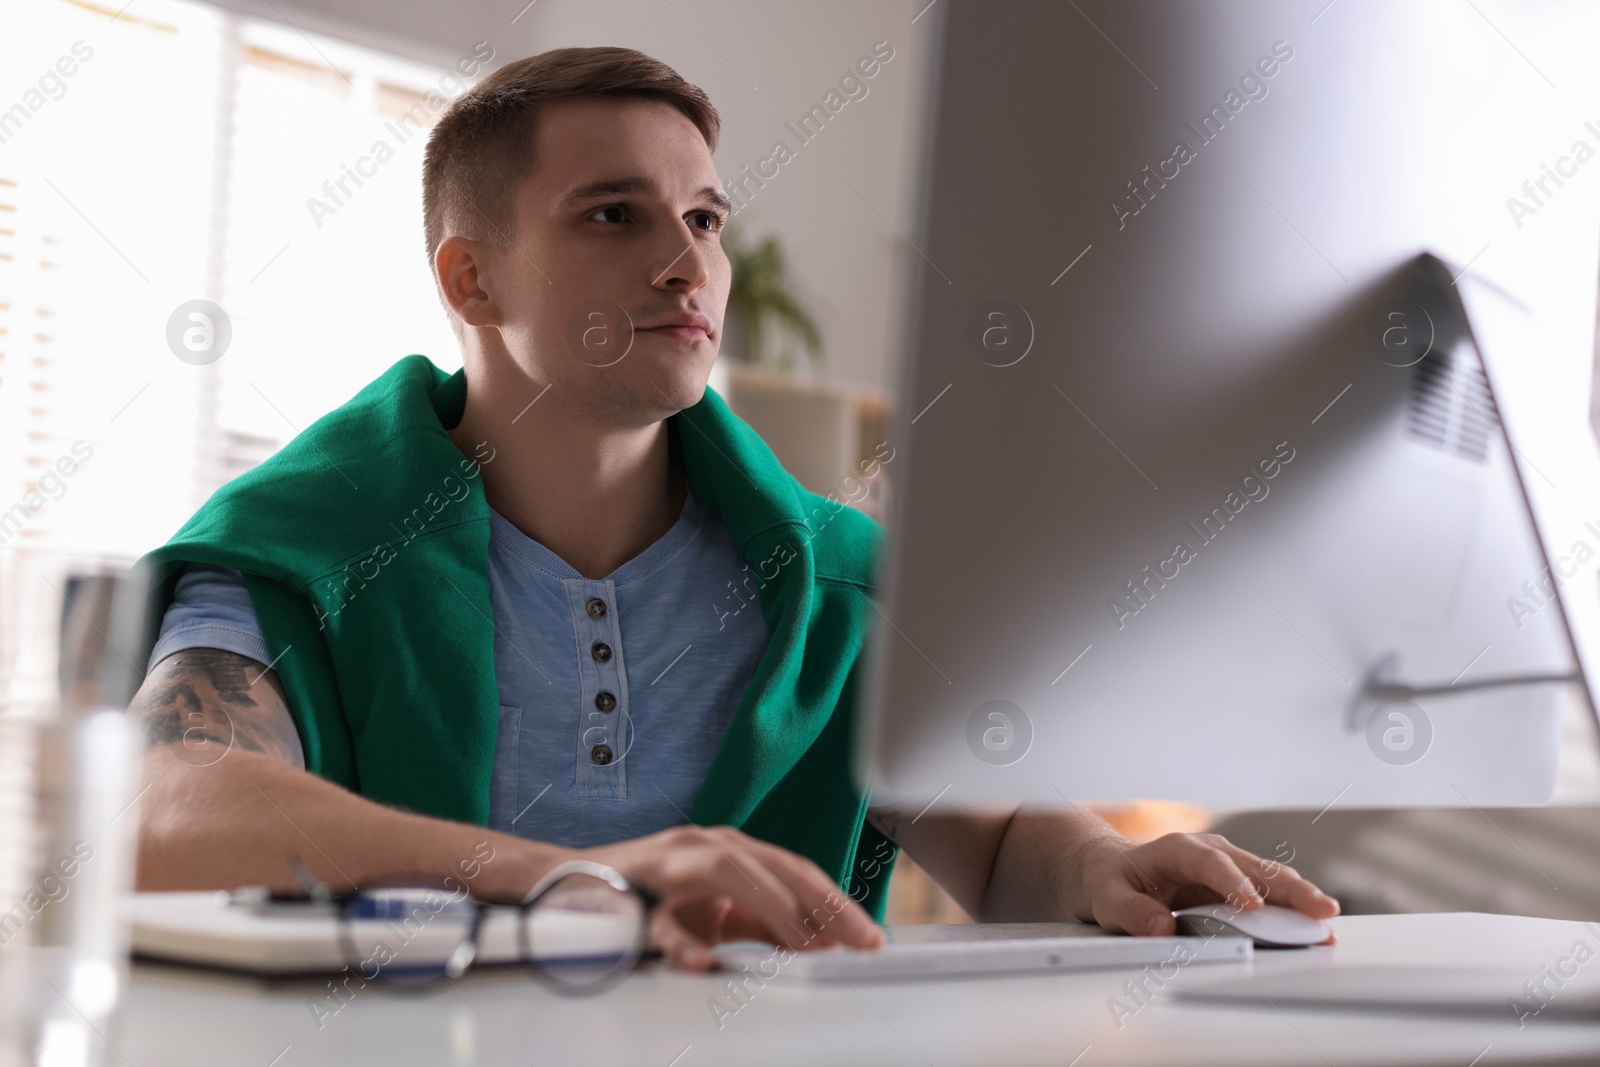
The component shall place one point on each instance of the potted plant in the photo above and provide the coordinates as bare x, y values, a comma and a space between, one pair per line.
810, 426
763, 309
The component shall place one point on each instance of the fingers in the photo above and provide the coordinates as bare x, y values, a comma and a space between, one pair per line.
1121, 908
1282, 884
1215, 867
722, 916
720, 860
830, 914
786, 897
1200, 861
712, 920
681, 948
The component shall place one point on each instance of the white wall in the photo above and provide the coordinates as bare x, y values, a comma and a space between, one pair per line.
763, 65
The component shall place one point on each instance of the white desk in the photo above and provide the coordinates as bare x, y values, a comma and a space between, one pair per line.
177, 1018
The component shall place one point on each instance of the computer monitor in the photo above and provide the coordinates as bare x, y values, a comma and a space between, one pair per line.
1207, 490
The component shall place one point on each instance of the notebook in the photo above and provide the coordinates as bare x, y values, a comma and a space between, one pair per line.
210, 929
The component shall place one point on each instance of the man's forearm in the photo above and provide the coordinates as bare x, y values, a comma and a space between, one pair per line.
1038, 873
229, 800
209, 828
1022, 865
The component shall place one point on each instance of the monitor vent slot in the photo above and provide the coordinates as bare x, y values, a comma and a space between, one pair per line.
1449, 406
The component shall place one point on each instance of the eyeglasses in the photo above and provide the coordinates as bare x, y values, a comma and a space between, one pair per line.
580, 930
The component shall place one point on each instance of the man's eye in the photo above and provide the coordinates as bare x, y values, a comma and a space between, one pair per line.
706, 220
610, 213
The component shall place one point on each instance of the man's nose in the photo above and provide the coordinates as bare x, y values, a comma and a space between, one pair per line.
683, 266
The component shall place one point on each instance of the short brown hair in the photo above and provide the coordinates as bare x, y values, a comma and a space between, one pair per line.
483, 145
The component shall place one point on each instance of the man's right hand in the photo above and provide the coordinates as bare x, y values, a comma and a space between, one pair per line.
717, 884
230, 800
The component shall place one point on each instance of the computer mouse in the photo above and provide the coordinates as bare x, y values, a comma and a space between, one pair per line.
1269, 926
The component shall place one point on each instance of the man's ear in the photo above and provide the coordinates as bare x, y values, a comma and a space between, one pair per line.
463, 269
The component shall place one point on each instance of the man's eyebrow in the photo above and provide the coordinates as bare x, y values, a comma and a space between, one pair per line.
637, 184
640, 185
716, 197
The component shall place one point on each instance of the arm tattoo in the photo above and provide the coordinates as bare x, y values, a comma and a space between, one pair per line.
205, 702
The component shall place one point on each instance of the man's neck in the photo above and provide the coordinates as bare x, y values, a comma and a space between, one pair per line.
596, 496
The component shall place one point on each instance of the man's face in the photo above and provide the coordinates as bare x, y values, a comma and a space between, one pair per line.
615, 288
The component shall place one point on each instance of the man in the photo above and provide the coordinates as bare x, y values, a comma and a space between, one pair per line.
474, 608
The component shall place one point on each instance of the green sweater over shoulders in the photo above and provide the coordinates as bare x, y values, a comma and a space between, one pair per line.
364, 546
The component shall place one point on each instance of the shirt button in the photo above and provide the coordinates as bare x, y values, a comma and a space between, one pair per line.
601, 754
597, 608
605, 701
601, 652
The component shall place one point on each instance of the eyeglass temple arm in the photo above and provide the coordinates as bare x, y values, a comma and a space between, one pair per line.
610, 875
309, 884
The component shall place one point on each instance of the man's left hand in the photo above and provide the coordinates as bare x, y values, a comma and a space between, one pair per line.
1135, 888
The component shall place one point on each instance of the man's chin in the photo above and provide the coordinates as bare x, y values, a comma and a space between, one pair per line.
679, 381
680, 392
664, 392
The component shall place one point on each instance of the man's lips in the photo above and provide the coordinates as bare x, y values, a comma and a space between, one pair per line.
688, 327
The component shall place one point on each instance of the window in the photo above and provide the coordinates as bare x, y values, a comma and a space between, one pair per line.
163, 154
